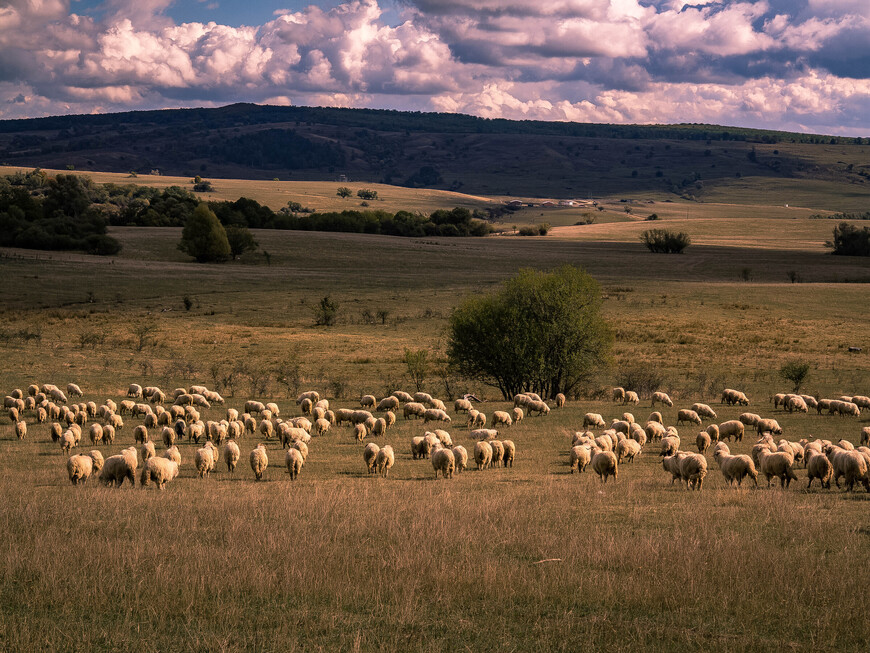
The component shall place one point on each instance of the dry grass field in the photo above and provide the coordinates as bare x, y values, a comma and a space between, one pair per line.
528, 558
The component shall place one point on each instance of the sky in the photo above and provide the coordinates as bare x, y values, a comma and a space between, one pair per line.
798, 65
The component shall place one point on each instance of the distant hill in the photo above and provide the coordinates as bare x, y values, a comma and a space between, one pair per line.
446, 151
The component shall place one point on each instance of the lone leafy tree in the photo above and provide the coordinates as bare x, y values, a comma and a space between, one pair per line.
796, 372
204, 237
543, 332
241, 240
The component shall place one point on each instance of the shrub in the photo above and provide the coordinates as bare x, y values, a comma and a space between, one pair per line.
367, 194
343, 191
849, 240
796, 372
204, 237
542, 332
325, 312
241, 240
665, 241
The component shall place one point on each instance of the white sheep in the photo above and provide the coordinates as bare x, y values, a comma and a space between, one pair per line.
627, 449
671, 464
580, 456
818, 466
654, 430
768, 425
539, 407
370, 454
460, 457
483, 434
311, 395
119, 467
388, 403
462, 406
732, 429
703, 442
501, 417
159, 471
735, 468
605, 464
368, 401
148, 451
321, 426
232, 453
704, 410
385, 460
593, 419
662, 398
80, 466
259, 461
482, 454
693, 470
403, 396
21, 429
443, 461
670, 445
778, 464
204, 459
849, 464
688, 415
497, 452
618, 394
294, 460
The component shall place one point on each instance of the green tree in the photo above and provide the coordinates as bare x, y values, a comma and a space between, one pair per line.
325, 312
796, 372
241, 240
417, 364
204, 237
542, 332
344, 191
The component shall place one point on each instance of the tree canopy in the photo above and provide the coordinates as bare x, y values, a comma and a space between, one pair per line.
204, 237
542, 332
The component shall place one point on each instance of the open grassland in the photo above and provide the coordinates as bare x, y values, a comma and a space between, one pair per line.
529, 558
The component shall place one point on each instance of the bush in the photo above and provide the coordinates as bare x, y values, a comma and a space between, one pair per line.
204, 237
665, 241
366, 194
325, 312
241, 240
849, 240
542, 332
343, 191
796, 372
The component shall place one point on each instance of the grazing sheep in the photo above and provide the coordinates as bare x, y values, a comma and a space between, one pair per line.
172, 453
693, 470
413, 410
21, 429
849, 464
687, 415
580, 456
403, 396
482, 454
368, 401
594, 420
389, 418
321, 426
380, 427
140, 434
479, 420
604, 442
460, 456
671, 464
631, 397
267, 429
294, 460
703, 442
865, 435
437, 404
483, 434
135, 391
510, 451
443, 461
627, 449
370, 454
55, 431
443, 437
778, 465
768, 425
732, 429
818, 466
148, 451
67, 441
420, 447
604, 463
704, 410
204, 459
307, 406
670, 445
654, 431
391, 403
497, 452
620, 426
117, 468
538, 407
655, 416
423, 398
158, 470
796, 403
618, 395
735, 468
560, 400
385, 460
302, 448
311, 395
360, 432
501, 417
259, 461
461, 406
232, 453
522, 400
661, 398
749, 419
795, 449
80, 466
732, 397
638, 434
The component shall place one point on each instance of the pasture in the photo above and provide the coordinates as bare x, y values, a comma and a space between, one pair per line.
528, 558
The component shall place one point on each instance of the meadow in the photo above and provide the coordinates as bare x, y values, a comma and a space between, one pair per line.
528, 558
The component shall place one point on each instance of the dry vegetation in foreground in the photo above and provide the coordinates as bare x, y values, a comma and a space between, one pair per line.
340, 560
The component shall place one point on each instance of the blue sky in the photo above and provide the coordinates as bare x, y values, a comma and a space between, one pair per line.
801, 65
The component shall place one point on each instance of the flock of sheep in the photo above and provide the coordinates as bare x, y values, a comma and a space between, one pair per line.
823, 459
170, 417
